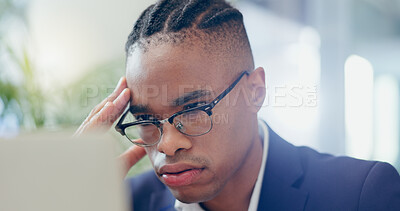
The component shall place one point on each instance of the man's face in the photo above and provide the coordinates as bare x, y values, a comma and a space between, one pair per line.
195, 168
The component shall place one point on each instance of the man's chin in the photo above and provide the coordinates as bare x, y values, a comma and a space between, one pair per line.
188, 199
192, 195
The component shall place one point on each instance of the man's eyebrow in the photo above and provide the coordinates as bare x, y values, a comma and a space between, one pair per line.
139, 109
187, 97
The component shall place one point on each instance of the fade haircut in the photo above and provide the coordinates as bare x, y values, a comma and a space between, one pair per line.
215, 23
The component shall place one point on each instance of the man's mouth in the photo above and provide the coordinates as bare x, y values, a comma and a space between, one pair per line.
180, 174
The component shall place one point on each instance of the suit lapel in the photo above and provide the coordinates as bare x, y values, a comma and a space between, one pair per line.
283, 173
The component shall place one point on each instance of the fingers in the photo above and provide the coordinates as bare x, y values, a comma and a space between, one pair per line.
131, 156
106, 112
110, 112
117, 91
120, 103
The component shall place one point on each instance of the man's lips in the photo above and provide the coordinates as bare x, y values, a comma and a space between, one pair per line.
180, 174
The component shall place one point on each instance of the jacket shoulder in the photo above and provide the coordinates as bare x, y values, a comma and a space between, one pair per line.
381, 189
359, 184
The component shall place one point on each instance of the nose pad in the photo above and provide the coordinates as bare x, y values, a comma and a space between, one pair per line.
179, 126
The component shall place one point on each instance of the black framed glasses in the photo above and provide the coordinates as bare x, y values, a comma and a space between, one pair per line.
195, 121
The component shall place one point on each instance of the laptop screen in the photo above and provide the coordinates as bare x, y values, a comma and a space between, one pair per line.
56, 172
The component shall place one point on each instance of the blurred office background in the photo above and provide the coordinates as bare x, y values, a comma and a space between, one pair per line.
333, 67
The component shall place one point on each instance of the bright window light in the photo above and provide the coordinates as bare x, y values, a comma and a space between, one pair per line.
309, 56
386, 119
359, 107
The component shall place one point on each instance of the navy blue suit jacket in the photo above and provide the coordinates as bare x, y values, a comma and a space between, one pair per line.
299, 178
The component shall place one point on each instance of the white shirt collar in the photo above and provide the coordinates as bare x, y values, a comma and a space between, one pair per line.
255, 196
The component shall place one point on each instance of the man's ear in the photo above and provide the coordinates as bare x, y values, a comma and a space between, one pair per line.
256, 85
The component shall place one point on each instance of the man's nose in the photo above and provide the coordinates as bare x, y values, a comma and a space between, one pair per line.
172, 141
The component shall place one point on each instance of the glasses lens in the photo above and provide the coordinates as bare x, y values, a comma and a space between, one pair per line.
193, 123
143, 134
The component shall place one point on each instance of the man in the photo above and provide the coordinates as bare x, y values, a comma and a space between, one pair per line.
194, 94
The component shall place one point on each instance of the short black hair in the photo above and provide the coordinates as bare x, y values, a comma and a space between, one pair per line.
176, 20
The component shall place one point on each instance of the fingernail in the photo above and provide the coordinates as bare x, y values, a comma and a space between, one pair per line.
122, 95
119, 83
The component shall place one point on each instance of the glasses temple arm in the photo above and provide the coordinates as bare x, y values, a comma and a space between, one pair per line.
118, 125
226, 91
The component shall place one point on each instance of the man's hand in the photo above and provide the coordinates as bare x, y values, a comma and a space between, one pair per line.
105, 114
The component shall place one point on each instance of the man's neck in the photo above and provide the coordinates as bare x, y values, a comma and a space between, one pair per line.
237, 192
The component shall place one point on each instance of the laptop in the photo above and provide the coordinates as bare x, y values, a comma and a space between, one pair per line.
49, 172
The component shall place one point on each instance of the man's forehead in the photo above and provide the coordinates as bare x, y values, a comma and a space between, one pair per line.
170, 90
181, 62
171, 75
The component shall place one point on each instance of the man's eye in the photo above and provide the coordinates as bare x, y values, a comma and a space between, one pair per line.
194, 105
